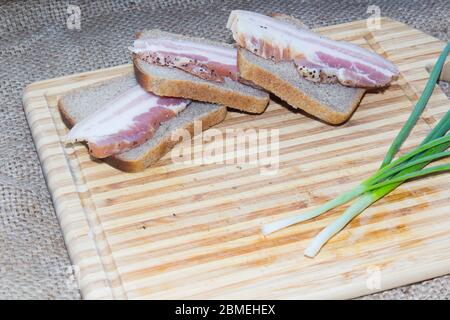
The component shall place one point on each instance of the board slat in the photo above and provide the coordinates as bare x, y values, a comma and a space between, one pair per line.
191, 231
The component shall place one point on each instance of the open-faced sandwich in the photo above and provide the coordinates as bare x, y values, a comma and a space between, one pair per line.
126, 125
173, 65
323, 77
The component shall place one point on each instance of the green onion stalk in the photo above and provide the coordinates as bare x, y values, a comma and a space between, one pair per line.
391, 173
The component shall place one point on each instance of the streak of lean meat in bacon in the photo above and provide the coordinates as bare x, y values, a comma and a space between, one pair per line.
317, 58
125, 122
206, 61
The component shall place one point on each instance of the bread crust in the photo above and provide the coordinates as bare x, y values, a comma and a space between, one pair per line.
158, 151
198, 91
291, 94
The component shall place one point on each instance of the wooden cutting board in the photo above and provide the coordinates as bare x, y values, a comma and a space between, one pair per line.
192, 231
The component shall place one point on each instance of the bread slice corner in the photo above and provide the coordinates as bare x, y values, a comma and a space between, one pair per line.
78, 104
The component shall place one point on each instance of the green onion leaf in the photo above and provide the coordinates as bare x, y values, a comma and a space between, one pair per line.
418, 109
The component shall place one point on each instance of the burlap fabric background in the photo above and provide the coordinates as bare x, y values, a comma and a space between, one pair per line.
36, 44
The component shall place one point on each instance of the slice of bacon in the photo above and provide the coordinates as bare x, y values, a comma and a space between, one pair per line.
317, 58
203, 60
125, 122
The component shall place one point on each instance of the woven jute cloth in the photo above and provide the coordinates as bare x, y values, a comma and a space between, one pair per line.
36, 44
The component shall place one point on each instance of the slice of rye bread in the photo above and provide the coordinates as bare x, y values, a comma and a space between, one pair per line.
80, 103
332, 103
173, 82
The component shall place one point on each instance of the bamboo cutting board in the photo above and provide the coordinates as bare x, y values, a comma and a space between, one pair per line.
192, 231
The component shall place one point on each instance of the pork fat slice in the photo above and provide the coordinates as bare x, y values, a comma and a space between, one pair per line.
317, 58
206, 61
125, 122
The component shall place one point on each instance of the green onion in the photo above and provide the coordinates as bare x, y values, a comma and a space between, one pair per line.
343, 198
391, 173
390, 169
361, 204
327, 233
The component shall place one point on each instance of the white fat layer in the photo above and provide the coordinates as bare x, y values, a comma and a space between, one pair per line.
299, 41
218, 54
306, 34
189, 44
118, 115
